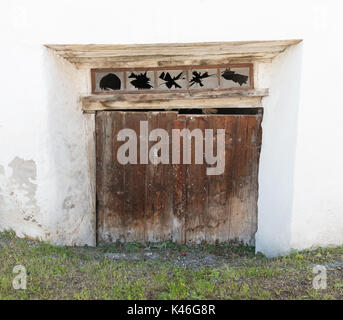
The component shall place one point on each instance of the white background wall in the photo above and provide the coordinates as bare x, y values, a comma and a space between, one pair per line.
44, 189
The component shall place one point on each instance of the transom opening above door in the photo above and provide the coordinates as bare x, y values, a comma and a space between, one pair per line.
172, 75
176, 78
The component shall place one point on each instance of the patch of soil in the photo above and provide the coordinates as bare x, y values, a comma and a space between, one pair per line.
191, 257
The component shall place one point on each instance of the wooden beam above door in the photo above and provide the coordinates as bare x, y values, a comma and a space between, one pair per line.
169, 54
203, 99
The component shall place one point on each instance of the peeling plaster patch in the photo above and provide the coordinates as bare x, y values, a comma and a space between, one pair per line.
23, 172
2, 172
22, 188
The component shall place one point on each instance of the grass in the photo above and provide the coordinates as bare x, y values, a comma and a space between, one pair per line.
235, 272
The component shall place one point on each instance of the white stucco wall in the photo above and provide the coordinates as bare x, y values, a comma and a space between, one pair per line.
44, 185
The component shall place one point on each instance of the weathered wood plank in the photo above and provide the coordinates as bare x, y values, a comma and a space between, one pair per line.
111, 211
222, 60
159, 189
169, 53
179, 186
172, 48
218, 213
207, 99
135, 186
243, 201
161, 46
148, 61
192, 94
100, 129
90, 136
175, 104
196, 204
255, 141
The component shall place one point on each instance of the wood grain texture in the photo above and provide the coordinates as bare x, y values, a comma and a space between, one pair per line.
169, 54
159, 189
179, 202
207, 99
189, 95
179, 176
89, 133
196, 203
219, 186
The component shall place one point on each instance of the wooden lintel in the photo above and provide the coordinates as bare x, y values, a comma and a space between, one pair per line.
201, 99
167, 54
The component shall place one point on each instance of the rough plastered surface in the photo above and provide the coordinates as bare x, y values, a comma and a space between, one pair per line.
44, 180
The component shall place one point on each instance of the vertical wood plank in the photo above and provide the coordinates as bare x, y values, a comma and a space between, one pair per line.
232, 123
218, 213
112, 219
179, 189
135, 186
196, 208
254, 148
159, 187
115, 176
90, 136
99, 128
243, 200
238, 217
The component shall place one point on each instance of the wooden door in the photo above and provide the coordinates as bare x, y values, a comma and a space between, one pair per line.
179, 202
